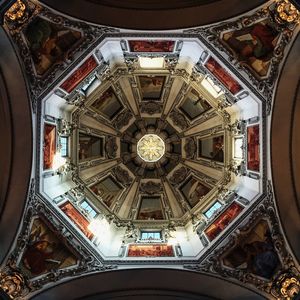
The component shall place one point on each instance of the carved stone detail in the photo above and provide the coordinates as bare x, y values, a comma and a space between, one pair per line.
122, 176
43, 84
151, 187
179, 176
179, 120
262, 87
111, 147
13, 284
286, 286
123, 119
19, 14
88, 261
171, 63
151, 107
264, 211
131, 62
190, 148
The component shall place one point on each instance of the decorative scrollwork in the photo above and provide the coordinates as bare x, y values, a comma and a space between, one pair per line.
123, 119
151, 187
111, 147
122, 176
179, 176
264, 211
190, 148
13, 283
151, 107
286, 286
179, 120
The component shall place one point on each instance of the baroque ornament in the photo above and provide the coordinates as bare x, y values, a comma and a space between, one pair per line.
150, 148
111, 147
122, 176
13, 284
179, 120
151, 187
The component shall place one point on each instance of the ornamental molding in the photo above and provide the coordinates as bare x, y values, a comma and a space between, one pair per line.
263, 211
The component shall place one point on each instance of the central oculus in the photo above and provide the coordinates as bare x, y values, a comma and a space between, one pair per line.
150, 148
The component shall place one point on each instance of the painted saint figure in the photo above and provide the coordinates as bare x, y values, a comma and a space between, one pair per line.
254, 45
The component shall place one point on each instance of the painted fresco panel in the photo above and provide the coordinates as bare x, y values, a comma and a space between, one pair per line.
253, 148
151, 46
212, 148
254, 253
76, 77
49, 147
194, 190
107, 190
220, 73
108, 104
150, 209
44, 252
90, 146
254, 46
223, 221
77, 218
151, 87
150, 250
194, 105
49, 43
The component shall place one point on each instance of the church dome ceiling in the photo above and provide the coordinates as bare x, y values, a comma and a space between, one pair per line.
157, 136
151, 149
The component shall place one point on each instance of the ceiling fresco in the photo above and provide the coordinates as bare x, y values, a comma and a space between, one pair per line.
151, 150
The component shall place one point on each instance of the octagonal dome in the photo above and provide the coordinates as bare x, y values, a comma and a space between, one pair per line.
125, 200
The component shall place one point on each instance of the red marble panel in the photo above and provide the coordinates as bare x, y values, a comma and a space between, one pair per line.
220, 73
49, 145
151, 46
223, 221
253, 148
156, 250
76, 77
77, 218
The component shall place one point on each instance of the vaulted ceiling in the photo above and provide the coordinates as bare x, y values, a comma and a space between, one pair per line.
139, 149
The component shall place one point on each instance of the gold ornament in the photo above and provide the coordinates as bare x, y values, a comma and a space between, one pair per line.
12, 284
289, 288
16, 12
286, 12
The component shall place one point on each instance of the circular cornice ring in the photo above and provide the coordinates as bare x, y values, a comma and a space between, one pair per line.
172, 16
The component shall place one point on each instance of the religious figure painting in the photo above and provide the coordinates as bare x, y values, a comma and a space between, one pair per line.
151, 87
253, 148
49, 146
151, 46
90, 146
50, 43
150, 250
194, 105
77, 76
223, 220
107, 190
220, 73
77, 218
212, 148
254, 253
194, 190
108, 104
253, 46
150, 209
45, 252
